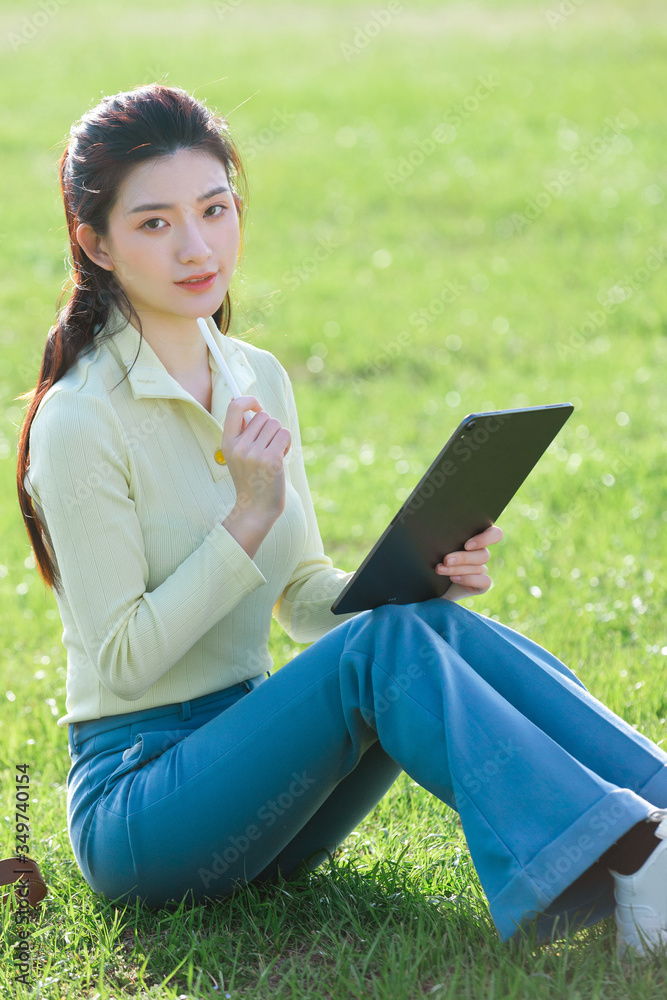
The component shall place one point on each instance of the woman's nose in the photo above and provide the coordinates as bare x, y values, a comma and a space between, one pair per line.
193, 246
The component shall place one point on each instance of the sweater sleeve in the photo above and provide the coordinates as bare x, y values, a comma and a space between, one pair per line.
304, 607
80, 479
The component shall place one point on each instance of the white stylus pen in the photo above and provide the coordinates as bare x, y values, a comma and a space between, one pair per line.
222, 365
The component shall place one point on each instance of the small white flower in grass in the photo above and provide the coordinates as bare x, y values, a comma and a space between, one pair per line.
536, 592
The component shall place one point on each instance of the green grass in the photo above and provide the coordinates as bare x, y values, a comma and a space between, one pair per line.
379, 385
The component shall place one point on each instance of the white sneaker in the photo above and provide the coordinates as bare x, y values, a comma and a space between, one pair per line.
641, 899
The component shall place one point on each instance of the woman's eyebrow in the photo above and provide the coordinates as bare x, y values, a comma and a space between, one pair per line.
156, 208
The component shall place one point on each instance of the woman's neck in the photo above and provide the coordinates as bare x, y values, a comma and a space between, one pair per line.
178, 344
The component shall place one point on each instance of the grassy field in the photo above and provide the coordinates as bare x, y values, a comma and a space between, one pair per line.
452, 207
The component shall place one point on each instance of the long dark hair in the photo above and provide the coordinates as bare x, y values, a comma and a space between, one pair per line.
104, 146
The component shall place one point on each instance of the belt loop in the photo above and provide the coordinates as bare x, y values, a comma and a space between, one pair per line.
255, 681
185, 710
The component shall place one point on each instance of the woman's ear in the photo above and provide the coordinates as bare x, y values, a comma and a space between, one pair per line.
91, 244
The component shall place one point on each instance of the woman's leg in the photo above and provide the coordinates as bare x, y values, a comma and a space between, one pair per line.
544, 777
352, 799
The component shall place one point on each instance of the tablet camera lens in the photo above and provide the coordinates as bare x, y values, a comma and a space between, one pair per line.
470, 425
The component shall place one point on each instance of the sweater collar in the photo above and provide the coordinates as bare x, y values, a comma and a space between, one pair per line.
149, 377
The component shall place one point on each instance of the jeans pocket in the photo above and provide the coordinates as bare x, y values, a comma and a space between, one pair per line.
146, 747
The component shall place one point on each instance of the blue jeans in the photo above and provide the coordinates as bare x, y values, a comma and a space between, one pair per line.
193, 798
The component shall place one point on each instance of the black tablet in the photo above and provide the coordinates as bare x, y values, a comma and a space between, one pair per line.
464, 491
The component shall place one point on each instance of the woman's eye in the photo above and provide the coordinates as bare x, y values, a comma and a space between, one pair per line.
154, 225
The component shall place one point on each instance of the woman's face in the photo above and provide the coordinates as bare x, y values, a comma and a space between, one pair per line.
174, 218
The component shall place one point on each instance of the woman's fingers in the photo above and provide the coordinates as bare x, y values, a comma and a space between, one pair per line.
471, 561
488, 537
272, 434
463, 562
475, 584
233, 424
460, 572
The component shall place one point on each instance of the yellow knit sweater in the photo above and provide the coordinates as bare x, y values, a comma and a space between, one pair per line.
159, 602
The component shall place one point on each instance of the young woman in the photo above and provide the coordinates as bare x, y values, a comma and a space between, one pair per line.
171, 529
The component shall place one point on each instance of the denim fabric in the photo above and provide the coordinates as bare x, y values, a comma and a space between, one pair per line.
195, 798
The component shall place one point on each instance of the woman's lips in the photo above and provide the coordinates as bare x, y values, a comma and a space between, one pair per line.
200, 285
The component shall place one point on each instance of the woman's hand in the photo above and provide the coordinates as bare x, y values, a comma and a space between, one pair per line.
468, 568
254, 454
